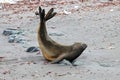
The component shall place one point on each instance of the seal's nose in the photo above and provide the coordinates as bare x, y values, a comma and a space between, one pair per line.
84, 45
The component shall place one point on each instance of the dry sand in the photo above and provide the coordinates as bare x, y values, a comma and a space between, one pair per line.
98, 28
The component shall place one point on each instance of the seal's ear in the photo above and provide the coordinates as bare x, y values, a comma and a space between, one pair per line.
50, 14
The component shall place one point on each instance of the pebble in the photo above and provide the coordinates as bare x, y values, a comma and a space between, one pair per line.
11, 39
14, 35
16, 39
56, 34
7, 32
32, 49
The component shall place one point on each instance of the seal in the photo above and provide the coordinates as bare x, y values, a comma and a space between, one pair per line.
51, 50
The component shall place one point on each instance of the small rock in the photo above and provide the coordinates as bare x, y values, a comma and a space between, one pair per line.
105, 64
15, 39
32, 49
1, 58
76, 7
36, 13
111, 10
19, 39
66, 12
11, 38
6, 72
111, 47
10, 31
7, 32
56, 34
48, 73
14, 35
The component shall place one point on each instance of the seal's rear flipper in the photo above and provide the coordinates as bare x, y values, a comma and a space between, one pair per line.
50, 14
41, 14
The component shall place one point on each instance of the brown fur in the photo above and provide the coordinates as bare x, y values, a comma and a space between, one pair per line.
51, 50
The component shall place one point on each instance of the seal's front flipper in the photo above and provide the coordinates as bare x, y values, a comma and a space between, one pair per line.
73, 63
59, 59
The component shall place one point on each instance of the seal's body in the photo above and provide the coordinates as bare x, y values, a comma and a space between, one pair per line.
51, 50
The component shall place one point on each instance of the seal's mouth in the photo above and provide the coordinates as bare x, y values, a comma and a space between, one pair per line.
84, 46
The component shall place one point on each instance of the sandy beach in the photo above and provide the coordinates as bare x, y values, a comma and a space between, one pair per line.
95, 23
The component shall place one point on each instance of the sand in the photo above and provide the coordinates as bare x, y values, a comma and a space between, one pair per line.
99, 28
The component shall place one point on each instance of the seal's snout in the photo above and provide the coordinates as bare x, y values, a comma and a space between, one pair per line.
84, 46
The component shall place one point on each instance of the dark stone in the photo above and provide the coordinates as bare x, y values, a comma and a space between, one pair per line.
7, 32
10, 31
11, 40
14, 35
19, 40
56, 34
36, 13
32, 49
